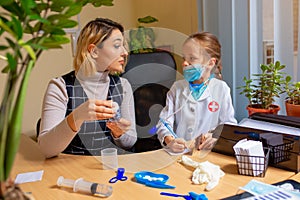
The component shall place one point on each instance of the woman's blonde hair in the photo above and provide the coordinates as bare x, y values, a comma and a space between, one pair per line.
94, 32
212, 48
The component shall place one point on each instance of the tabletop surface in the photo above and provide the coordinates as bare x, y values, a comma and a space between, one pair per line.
89, 168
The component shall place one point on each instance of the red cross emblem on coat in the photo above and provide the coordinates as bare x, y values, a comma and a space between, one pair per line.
213, 106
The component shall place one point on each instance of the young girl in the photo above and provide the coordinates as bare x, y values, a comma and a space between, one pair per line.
77, 105
199, 103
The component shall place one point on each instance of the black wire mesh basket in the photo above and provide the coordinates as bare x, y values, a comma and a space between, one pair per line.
282, 152
253, 165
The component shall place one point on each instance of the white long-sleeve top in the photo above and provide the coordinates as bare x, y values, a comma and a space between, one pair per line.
55, 133
195, 117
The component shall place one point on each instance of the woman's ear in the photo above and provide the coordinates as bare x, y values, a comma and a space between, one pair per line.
92, 49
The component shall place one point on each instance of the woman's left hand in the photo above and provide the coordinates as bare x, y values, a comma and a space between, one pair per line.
206, 142
119, 127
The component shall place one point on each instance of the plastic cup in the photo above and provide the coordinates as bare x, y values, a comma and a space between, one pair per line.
109, 157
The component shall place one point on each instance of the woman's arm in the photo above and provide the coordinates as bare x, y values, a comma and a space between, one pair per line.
55, 133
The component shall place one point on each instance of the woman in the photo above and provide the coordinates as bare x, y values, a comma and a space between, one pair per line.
197, 105
79, 107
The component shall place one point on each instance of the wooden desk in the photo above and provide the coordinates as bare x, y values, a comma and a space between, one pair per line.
89, 168
296, 177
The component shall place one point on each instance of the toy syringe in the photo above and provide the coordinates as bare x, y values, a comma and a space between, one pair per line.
80, 185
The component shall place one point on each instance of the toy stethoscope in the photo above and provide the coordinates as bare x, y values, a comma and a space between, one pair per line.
120, 176
154, 129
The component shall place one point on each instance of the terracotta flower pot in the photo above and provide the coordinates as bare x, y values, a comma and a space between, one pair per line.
256, 108
11, 191
292, 109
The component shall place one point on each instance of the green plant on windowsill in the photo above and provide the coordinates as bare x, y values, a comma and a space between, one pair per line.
27, 28
264, 88
141, 39
292, 100
292, 91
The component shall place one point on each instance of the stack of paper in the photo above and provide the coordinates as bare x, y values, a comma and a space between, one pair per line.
250, 157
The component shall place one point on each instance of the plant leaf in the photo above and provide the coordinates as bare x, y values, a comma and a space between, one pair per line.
55, 41
12, 63
98, 3
59, 5
15, 9
5, 2
147, 19
28, 48
27, 5
13, 138
17, 27
73, 10
6, 28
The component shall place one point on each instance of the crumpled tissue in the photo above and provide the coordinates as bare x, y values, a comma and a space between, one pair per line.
205, 172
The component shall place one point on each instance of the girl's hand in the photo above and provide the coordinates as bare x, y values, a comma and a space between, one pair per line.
119, 127
206, 142
177, 145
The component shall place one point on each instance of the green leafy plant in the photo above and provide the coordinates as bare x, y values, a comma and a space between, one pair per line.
142, 39
265, 87
292, 90
28, 27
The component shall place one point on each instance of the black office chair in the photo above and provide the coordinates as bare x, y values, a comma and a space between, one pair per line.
37, 128
151, 75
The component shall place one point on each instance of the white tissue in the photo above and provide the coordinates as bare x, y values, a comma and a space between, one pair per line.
205, 172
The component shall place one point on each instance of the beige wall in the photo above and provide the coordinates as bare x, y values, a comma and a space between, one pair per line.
178, 16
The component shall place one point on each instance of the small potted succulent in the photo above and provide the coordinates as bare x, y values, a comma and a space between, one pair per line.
142, 39
292, 101
264, 88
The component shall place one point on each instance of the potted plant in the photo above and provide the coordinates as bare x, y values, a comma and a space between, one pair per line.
292, 101
27, 27
264, 88
141, 39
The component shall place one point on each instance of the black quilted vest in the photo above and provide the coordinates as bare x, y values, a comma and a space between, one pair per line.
93, 135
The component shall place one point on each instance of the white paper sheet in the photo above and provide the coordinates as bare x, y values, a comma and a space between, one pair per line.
250, 151
169, 151
29, 177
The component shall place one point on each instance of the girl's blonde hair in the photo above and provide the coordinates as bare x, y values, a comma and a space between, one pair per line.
212, 47
94, 32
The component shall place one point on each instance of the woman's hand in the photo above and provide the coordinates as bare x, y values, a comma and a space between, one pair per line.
90, 110
94, 110
206, 142
119, 127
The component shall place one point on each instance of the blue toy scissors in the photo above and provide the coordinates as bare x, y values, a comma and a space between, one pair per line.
120, 176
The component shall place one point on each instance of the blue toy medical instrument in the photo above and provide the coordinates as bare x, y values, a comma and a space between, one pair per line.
120, 176
168, 127
190, 196
80, 185
153, 180
252, 135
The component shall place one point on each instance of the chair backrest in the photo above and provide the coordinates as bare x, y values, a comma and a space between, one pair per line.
151, 75
37, 128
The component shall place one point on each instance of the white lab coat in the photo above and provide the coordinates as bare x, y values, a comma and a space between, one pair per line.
193, 118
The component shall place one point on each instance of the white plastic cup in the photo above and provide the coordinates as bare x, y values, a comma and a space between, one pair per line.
109, 157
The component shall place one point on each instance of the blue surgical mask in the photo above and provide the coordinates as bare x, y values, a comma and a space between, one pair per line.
198, 89
192, 72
